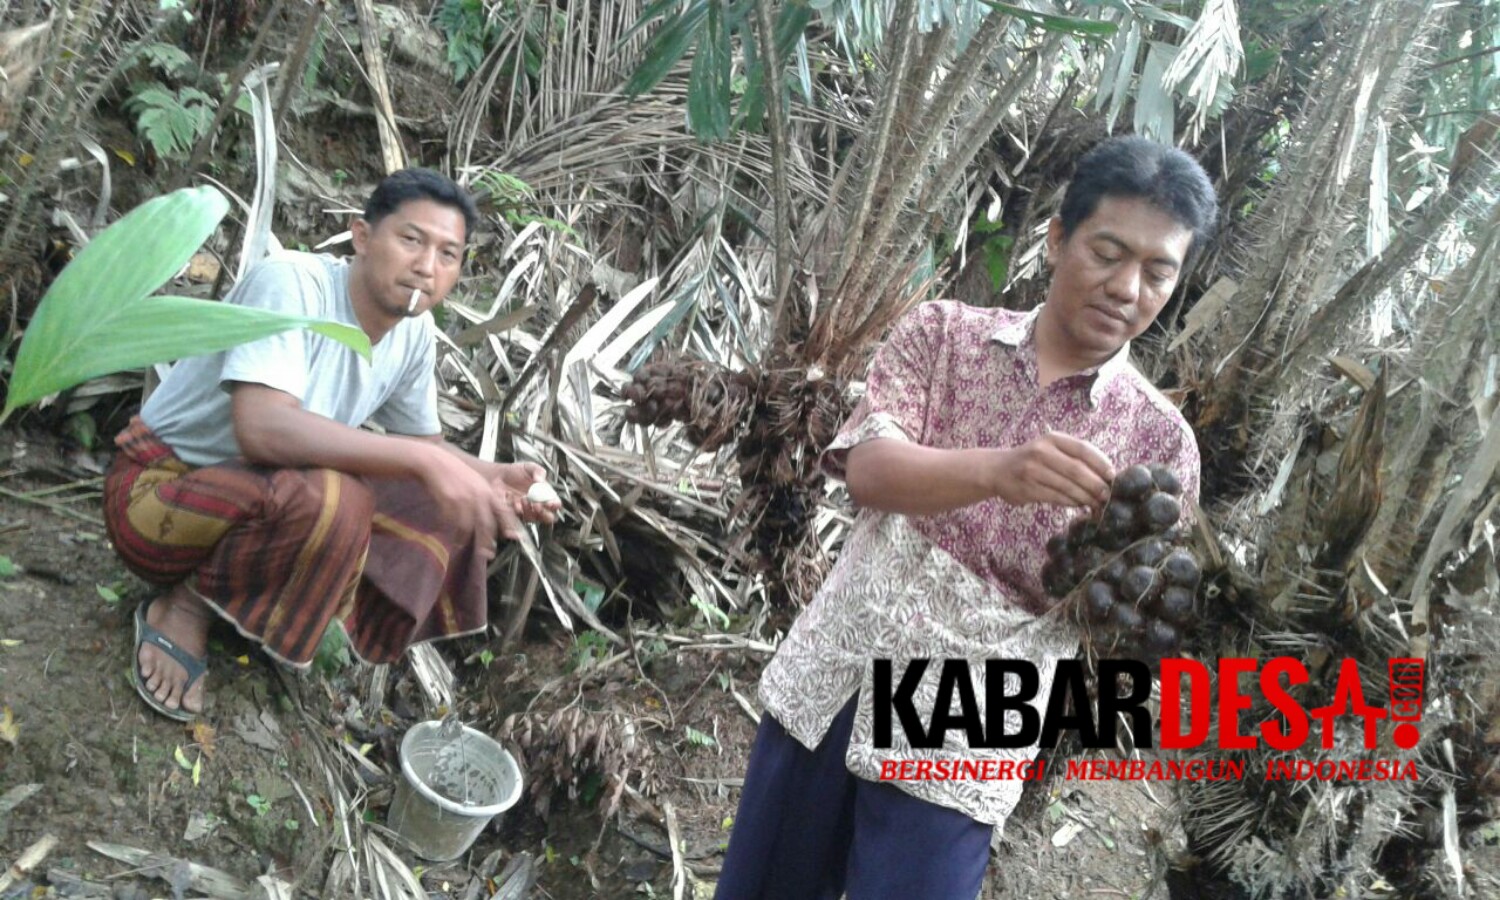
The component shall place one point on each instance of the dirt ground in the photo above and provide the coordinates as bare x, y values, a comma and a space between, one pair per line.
243, 791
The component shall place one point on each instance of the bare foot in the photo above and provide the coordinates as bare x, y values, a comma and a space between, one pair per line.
184, 619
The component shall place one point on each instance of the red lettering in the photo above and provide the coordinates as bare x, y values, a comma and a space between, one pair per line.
1348, 697
1294, 734
1231, 702
906, 770
887, 769
1198, 700
924, 770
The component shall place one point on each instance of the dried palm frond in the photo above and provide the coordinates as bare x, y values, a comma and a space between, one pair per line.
1243, 372
565, 747
1208, 59
1357, 488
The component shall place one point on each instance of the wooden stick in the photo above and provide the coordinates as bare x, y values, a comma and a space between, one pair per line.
517, 878
291, 72
16, 796
69, 884
207, 879
515, 623
235, 84
391, 152
27, 861
59, 488
674, 840
54, 507
745, 705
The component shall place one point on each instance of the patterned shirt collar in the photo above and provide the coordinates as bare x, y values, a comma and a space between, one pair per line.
1020, 334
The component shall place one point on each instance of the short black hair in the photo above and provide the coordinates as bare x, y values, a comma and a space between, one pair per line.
420, 184
1134, 166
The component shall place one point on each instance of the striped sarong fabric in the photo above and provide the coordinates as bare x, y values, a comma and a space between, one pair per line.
281, 553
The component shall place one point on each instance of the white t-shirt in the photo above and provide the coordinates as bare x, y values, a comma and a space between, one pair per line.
397, 389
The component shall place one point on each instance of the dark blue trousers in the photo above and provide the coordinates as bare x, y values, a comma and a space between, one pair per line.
809, 830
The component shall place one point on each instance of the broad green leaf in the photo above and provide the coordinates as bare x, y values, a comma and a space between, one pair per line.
1157, 14
708, 85
1155, 110
804, 69
161, 329
667, 46
790, 28
96, 318
650, 14
1115, 89
1051, 22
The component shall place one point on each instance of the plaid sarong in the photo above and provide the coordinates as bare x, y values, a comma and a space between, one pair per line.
283, 552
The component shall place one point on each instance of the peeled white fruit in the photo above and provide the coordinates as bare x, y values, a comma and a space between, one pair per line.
542, 492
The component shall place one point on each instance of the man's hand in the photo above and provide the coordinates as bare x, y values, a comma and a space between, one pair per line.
1055, 469
468, 501
273, 429
903, 477
512, 481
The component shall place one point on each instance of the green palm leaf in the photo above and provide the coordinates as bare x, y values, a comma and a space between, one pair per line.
96, 318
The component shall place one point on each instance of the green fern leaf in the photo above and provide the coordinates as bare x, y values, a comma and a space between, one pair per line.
166, 58
171, 122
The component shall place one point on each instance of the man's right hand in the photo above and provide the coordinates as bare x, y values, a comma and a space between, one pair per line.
1055, 469
467, 501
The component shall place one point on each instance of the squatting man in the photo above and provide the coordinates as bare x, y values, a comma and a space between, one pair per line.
248, 489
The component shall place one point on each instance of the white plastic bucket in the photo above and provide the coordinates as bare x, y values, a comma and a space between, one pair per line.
451, 787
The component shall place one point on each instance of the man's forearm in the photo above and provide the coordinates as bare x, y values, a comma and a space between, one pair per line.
901, 477
488, 470
289, 436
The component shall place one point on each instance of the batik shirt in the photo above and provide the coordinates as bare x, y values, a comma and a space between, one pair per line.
963, 584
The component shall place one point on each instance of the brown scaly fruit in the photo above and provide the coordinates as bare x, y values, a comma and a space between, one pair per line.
1139, 575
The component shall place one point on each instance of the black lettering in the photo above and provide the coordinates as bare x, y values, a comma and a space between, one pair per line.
1112, 705
955, 674
997, 703
1068, 707
901, 702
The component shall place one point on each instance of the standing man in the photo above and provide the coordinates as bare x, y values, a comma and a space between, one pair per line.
982, 433
247, 486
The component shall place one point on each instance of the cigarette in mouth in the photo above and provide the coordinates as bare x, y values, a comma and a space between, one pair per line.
416, 295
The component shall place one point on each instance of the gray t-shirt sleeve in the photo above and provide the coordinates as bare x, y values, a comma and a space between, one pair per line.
279, 361
412, 406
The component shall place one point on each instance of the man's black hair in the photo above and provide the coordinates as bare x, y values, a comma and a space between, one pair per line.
1133, 166
420, 184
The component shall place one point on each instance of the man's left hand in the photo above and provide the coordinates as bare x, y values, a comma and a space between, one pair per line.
513, 480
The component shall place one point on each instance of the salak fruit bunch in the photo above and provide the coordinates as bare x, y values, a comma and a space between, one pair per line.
1128, 571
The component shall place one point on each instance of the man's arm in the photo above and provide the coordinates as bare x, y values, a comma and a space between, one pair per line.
902, 477
273, 429
513, 479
